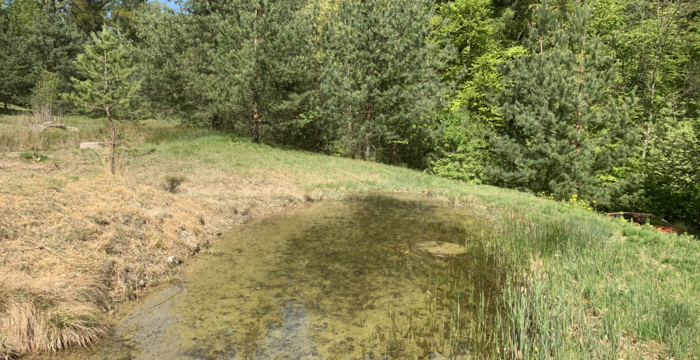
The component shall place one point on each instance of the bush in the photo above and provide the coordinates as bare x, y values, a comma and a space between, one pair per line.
33, 156
173, 182
460, 151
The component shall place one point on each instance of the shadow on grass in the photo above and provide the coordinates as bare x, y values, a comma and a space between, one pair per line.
11, 111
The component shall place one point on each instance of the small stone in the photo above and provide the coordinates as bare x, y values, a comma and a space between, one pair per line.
72, 129
174, 260
37, 127
53, 124
92, 145
14, 154
142, 283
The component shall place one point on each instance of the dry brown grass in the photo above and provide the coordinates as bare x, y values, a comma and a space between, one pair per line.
15, 134
71, 249
48, 314
74, 241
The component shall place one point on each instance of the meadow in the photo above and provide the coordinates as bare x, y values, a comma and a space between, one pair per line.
76, 242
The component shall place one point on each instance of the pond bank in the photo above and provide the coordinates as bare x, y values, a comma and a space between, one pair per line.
617, 291
337, 280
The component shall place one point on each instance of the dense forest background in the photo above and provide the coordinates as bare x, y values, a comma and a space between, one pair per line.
596, 101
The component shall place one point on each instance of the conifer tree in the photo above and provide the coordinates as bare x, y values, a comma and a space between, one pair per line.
565, 128
255, 59
88, 15
380, 84
109, 84
54, 44
15, 66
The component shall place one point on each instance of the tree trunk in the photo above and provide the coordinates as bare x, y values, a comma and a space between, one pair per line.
5, 102
367, 147
256, 119
113, 142
109, 118
367, 143
651, 114
256, 123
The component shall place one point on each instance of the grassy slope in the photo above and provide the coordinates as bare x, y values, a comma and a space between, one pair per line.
587, 287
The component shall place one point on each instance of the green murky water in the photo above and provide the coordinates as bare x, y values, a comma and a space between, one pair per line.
336, 280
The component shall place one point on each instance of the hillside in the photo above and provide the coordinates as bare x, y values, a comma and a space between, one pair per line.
76, 241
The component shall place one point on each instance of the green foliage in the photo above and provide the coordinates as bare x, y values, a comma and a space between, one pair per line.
46, 43
380, 84
122, 14
33, 156
223, 63
468, 26
88, 15
666, 72
258, 57
460, 149
110, 84
46, 91
673, 170
563, 126
168, 61
676, 156
54, 44
173, 182
19, 14
15, 66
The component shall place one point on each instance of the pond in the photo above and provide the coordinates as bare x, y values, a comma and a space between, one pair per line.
335, 280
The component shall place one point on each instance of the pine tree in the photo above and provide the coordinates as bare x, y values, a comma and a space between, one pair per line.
233, 65
54, 44
256, 59
16, 76
380, 83
88, 15
169, 56
564, 126
110, 84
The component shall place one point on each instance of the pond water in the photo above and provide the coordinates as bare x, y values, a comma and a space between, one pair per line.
335, 280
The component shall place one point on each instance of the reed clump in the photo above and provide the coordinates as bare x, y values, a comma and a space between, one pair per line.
583, 286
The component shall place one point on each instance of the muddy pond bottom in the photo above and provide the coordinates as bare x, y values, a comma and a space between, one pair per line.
336, 280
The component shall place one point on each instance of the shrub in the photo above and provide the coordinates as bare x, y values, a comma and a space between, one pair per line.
173, 182
33, 156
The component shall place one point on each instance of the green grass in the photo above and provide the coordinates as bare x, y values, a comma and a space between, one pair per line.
579, 285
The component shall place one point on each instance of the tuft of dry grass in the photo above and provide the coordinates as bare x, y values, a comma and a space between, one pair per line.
49, 314
70, 250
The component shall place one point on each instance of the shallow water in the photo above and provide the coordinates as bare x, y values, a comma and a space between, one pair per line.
336, 280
